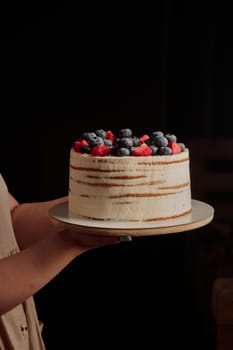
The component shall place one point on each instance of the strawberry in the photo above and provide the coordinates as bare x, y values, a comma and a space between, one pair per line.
175, 147
144, 137
142, 150
78, 144
100, 150
110, 136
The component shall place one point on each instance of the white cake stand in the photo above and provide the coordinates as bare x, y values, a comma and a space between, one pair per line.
202, 214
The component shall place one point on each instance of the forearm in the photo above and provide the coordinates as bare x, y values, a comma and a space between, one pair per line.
32, 223
25, 273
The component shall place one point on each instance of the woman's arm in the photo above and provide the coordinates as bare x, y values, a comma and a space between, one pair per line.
46, 251
26, 272
31, 221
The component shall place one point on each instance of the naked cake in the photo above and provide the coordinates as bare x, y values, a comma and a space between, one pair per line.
124, 177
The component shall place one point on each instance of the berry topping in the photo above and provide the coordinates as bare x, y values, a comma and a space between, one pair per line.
103, 143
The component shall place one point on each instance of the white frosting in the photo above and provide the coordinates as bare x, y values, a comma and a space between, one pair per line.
129, 188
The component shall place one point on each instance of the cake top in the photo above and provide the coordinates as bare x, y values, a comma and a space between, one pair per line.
126, 143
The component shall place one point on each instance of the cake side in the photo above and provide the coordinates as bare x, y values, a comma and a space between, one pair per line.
145, 188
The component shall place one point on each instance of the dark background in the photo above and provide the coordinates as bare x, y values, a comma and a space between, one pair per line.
68, 68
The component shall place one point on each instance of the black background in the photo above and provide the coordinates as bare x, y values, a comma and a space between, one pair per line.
69, 67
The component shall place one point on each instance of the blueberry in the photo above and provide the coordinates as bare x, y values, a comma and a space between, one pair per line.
108, 142
125, 142
165, 151
157, 134
125, 133
154, 149
85, 149
122, 152
87, 136
160, 141
171, 137
136, 141
101, 133
95, 141
182, 146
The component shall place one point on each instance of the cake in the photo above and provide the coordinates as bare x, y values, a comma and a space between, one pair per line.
125, 177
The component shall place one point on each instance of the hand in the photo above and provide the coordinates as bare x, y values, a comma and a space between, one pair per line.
86, 240
82, 239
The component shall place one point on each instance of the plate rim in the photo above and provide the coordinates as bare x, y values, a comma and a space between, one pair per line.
198, 218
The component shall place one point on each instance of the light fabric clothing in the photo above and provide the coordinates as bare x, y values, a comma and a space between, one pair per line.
19, 328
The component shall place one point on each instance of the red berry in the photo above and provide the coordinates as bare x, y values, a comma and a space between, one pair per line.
100, 150
110, 136
142, 150
175, 147
144, 137
78, 144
